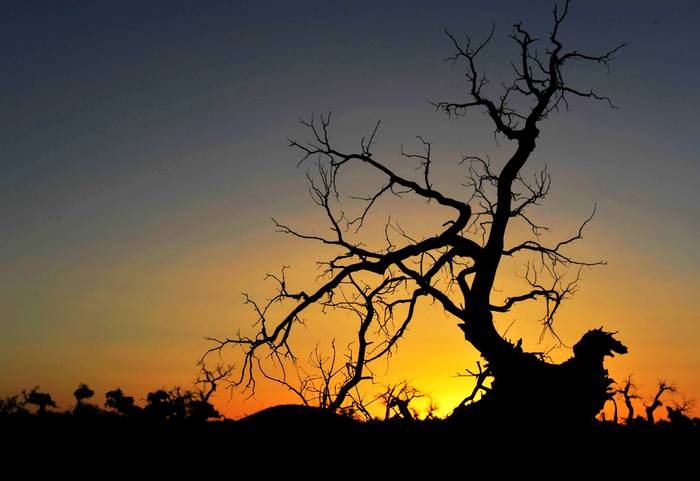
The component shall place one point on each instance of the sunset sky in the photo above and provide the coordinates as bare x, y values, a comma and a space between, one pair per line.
143, 152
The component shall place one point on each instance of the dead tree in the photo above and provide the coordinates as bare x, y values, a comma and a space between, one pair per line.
457, 265
628, 393
656, 403
678, 413
398, 397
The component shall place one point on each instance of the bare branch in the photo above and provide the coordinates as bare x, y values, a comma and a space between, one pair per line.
554, 254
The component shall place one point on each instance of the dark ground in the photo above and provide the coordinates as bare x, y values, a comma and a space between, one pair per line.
302, 440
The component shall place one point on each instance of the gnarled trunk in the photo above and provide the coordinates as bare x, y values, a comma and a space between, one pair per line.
528, 391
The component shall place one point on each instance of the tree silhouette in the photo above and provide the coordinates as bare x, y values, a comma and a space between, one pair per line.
12, 405
81, 394
200, 409
120, 403
656, 403
628, 393
678, 414
397, 398
41, 400
160, 406
455, 267
177, 405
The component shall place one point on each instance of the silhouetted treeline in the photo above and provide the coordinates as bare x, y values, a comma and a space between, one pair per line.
179, 427
161, 406
177, 406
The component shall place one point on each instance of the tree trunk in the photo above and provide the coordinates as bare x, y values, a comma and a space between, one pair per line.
529, 392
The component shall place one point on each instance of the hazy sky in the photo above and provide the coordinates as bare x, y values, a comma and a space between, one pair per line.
143, 151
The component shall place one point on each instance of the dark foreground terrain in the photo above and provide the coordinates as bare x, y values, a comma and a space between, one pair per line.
301, 439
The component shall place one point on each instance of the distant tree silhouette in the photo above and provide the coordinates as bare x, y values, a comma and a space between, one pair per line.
656, 403
178, 405
159, 405
678, 415
628, 393
397, 398
41, 400
683, 406
455, 267
81, 394
120, 403
13, 405
200, 409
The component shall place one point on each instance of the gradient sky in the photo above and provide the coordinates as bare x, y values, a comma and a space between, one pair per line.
143, 151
